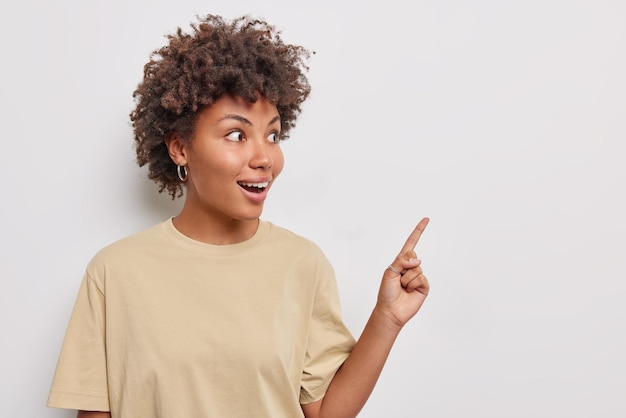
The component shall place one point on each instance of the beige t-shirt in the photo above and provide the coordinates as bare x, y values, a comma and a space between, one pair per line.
165, 326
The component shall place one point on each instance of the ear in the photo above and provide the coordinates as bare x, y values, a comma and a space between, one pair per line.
177, 149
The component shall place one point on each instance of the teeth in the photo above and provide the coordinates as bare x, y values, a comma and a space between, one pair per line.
257, 185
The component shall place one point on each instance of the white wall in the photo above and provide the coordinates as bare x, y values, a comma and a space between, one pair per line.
504, 122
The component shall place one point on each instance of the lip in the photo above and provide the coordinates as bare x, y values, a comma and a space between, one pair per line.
256, 197
256, 180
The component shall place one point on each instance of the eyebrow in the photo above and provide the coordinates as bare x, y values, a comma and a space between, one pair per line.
245, 120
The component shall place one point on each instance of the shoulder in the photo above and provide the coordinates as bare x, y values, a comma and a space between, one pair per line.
127, 248
292, 240
295, 250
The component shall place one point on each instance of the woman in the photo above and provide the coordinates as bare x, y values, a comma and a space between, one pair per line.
214, 312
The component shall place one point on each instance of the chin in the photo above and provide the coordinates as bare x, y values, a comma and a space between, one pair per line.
251, 215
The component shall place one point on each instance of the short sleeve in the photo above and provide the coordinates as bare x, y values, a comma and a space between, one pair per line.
329, 340
80, 379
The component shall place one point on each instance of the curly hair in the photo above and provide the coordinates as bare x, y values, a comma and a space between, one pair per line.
244, 57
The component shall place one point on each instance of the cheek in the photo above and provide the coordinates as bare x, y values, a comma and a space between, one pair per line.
278, 162
220, 161
212, 172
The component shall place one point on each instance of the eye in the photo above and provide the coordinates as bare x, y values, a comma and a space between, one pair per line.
273, 137
235, 136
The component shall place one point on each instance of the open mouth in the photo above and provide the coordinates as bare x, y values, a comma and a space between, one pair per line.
254, 187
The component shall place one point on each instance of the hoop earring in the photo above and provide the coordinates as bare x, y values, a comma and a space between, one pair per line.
181, 170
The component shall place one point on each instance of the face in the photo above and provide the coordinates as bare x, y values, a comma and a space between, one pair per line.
232, 160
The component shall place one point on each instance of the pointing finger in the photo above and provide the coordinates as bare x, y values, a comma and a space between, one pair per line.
414, 238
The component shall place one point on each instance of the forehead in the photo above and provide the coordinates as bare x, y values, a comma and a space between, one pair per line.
228, 105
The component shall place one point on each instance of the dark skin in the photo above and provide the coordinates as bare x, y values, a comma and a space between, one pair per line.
170, 89
400, 297
245, 57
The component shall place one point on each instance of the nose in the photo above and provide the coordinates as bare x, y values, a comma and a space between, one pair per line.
261, 156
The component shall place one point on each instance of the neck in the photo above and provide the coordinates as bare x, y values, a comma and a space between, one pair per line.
215, 230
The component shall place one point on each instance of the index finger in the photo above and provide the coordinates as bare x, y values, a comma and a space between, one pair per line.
414, 238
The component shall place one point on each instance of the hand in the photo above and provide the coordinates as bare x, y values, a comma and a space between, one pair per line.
404, 286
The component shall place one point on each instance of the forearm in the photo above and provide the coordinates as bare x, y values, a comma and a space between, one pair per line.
355, 380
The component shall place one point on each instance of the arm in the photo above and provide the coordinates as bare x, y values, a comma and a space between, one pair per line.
93, 414
402, 293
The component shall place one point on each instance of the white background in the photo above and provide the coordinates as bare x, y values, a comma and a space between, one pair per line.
503, 121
